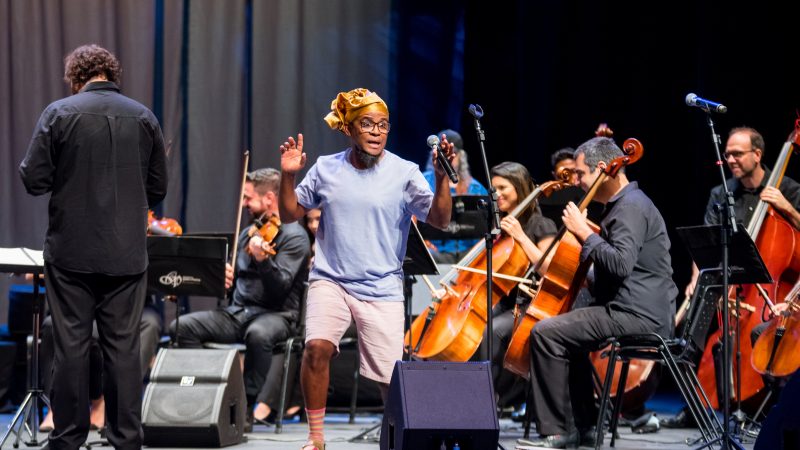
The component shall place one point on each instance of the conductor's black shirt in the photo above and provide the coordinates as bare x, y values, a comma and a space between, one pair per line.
101, 156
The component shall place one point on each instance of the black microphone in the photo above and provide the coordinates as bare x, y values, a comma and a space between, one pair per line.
433, 143
705, 105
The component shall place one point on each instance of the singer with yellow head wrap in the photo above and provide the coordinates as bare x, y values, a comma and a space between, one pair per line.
368, 196
347, 106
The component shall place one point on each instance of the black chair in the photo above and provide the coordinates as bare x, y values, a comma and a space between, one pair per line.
676, 354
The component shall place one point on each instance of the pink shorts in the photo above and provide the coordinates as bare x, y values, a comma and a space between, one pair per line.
329, 309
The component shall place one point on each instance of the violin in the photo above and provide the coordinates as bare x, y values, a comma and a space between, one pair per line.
163, 226
775, 352
267, 228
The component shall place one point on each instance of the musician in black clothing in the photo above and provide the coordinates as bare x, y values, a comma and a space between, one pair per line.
268, 290
101, 157
633, 292
744, 151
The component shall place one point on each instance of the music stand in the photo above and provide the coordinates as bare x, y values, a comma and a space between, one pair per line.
418, 261
745, 264
712, 248
186, 265
23, 260
467, 221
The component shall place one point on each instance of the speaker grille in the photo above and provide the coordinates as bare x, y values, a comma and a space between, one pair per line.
185, 406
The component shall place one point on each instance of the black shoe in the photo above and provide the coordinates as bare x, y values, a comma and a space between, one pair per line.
248, 420
588, 437
556, 441
681, 420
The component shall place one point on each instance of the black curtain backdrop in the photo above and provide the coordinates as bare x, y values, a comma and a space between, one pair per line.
547, 73
225, 76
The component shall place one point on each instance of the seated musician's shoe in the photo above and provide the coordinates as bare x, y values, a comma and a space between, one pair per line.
647, 423
588, 437
681, 420
570, 440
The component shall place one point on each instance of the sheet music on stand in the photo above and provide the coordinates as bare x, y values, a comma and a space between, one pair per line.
21, 260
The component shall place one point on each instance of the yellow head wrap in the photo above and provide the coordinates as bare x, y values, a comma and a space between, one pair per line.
348, 105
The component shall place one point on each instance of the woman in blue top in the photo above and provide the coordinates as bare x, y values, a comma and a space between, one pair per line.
451, 250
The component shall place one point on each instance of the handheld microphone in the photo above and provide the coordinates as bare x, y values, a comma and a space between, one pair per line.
433, 143
705, 105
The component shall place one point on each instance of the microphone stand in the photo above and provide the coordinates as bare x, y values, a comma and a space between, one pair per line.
493, 227
727, 220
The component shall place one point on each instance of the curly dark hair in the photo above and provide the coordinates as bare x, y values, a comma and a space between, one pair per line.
88, 61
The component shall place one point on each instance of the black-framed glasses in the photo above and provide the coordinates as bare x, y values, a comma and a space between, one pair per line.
737, 154
368, 126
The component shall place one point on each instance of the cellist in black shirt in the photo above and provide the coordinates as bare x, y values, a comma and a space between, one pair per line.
633, 292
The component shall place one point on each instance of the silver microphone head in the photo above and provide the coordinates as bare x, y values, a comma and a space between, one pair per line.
433, 140
690, 99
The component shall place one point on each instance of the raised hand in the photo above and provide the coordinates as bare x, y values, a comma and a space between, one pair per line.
292, 157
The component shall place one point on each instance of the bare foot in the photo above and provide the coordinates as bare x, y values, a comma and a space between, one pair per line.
261, 411
47, 423
97, 416
292, 410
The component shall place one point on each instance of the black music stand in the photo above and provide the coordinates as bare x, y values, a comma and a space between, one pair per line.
23, 260
418, 261
467, 221
744, 261
711, 248
186, 265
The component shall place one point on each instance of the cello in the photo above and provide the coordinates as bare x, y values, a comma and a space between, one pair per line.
775, 352
778, 243
563, 278
452, 328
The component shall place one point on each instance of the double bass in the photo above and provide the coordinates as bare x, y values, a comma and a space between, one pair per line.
778, 243
452, 328
564, 276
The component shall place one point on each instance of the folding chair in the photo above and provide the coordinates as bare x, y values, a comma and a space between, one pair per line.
676, 354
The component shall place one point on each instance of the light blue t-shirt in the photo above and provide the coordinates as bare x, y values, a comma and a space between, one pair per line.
366, 215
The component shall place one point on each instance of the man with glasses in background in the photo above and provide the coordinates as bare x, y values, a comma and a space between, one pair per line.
743, 153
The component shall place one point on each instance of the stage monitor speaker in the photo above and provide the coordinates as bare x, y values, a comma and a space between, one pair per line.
781, 429
195, 398
434, 403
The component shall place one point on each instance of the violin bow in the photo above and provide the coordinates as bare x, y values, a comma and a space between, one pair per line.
239, 216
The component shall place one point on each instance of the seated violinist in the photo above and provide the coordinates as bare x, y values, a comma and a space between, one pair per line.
269, 283
633, 290
534, 233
